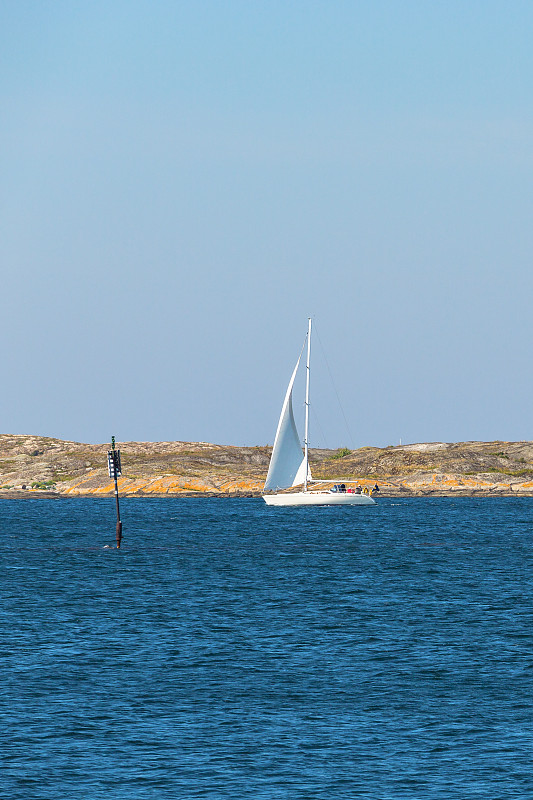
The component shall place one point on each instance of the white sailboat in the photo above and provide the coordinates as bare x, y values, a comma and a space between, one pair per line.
289, 467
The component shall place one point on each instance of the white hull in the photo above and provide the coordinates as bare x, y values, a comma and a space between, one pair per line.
319, 499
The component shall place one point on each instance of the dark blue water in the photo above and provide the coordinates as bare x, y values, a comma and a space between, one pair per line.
231, 650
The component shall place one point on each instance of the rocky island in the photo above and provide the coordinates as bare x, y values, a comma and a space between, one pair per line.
38, 466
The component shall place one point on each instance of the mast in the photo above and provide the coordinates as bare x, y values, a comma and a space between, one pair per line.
306, 439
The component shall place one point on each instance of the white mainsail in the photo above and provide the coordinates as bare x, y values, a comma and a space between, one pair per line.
287, 463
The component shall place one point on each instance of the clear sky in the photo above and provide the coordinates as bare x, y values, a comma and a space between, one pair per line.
185, 182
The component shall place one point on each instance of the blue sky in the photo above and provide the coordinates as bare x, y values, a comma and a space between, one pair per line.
184, 183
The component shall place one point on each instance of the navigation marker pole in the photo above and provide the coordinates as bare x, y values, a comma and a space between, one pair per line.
115, 471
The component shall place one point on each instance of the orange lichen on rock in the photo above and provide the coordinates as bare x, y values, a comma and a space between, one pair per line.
439, 483
167, 484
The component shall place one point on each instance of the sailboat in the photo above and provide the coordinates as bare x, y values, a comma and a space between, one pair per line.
290, 468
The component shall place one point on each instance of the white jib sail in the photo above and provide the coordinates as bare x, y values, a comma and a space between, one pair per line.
287, 463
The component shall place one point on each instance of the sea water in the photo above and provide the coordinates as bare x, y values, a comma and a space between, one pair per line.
235, 650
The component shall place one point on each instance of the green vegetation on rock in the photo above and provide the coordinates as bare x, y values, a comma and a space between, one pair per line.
341, 453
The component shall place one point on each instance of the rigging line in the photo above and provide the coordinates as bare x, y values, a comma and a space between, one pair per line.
301, 351
350, 436
300, 356
319, 426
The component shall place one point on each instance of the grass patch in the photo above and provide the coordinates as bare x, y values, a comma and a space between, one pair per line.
58, 478
43, 484
482, 471
519, 472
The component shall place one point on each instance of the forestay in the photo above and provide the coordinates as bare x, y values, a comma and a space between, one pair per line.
287, 463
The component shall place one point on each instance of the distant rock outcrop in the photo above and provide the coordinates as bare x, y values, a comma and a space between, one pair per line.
36, 466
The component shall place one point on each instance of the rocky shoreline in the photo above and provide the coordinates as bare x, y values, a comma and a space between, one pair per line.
48, 468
